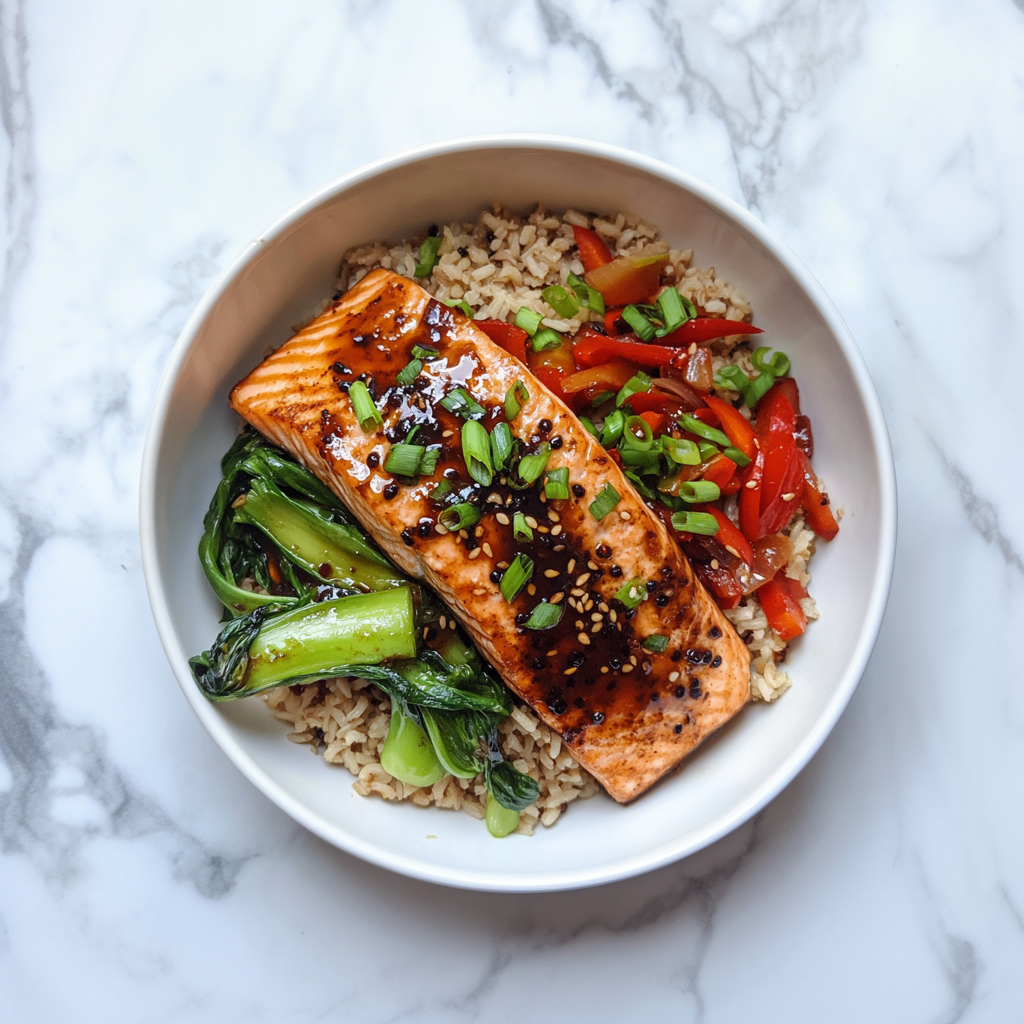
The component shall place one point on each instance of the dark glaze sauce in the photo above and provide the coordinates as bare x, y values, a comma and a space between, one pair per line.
585, 682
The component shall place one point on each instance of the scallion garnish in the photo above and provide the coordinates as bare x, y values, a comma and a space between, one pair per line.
460, 402
362, 404
428, 461
692, 491
459, 517
673, 313
476, 453
428, 256
740, 458
639, 382
758, 388
695, 426
707, 451
515, 398
528, 320
643, 441
564, 304
589, 297
545, 339
421, 351
734, 379
521, 528
517, 575
681, 451
441, 491
613, 424
544, 616
531, 466
556, 484
589, 426
410, 372
656, 643
460, 304
641, 325
404, 459
778, 365
695, 522
691, 309
502, 443
605, 501
632, 592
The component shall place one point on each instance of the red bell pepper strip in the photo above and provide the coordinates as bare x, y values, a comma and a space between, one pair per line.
705, 416
707, 328
511, 338
735, 426
778, 514
593, 252
731, 539
611, 318
657, 421
776, 422
719, 470
815, 504
789, 388
780, 598
750, 497
722, 583
651, 401
594, 349
608, 376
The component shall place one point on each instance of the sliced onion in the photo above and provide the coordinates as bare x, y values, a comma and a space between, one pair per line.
681, 390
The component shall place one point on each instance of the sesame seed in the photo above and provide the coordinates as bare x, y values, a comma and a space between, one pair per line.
438, 528
426, 630
551, 653
714, 563
603, 607
572, 565
531, 522
448, 433
494, 499
570, 671
605, 670
632, 659
596, 617
732, 551
579, 623
588, 606
583, 579
626, 669
543, 498
584, 639
592, 566
240, 501
479, 591
558, 547
553, 515
502, 565
478, 532
673, 676
789, 497
531, 589
624, 515
613, 615
451, 623
551, 573
542, 529
557, 598
444, 622
464, 534
576, 592
486, 548
502, 518
597, 627
555, 531
751, 484
475, 553
508, 500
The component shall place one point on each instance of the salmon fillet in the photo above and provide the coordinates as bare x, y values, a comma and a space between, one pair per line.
629, 714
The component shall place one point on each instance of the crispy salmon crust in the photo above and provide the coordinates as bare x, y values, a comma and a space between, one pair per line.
628, 712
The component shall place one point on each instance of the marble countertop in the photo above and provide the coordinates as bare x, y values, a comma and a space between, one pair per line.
142, 878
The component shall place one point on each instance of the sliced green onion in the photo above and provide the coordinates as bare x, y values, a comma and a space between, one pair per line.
732, 378
528, 320
707, 451
600, 398
641, 325
695, 522
589, 426
428, 462
673, 313
428, 256
460, 304
778, 365
695, 426
605, 501
502, 443
410, 372
411, 436
740, 458
564, 304
521, 528
589, 297
404, 459
614, 423
517, 575
463, 404
640, 461
656, 643
441, 491
366, 412
515, 398
693, 491
476, 452
545, 339
681, 451
531, 466
640, 381
632, 592
421, 351
758, 388
643, 443
544, 616
639, 483
556, 484
691, 309
459, 517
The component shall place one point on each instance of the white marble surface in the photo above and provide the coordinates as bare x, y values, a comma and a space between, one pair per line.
141, 878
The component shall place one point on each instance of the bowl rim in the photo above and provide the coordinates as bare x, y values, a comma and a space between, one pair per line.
570, 878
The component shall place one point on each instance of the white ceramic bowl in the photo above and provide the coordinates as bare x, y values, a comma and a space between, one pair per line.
281, 278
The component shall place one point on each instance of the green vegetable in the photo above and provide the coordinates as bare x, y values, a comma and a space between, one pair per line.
681, 451
737, 456
641, 325
515, 398
632, 592
778, 365
693, 491
546, 339
531, 466
605, 501
528, 320
460, 402
640, 381
695, 426
476, 452
362, 404
425, 352
703, 523
516, 576
459, 517
589, 427
589, 297
564, 304
428, 256
410, 372
408, 754
309, 642
707, 450
510, 787
521, 528
502, 445
404, 459
556, 484
500, 820
460, 304
673, 313
441, 491
734, 379
544, 616
656, 643
612, 430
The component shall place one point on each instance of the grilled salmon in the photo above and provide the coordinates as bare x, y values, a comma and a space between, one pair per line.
642, 665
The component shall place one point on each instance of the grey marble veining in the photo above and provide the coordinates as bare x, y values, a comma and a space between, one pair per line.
141, 879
